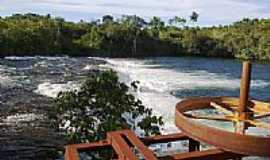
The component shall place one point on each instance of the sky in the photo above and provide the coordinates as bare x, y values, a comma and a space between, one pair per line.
212, 12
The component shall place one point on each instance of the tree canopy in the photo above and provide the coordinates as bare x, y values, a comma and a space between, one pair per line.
132, 36
102, 104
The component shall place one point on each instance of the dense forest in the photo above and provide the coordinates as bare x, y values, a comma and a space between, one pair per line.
132, 36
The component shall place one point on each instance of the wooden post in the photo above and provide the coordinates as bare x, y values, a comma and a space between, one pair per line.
245, 85
244, 94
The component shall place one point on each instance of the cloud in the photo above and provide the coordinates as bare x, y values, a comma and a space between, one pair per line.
57, 2
211, 11
264, 10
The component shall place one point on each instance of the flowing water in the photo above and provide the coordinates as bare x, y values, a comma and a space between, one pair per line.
26, 87
163, 81
166, 81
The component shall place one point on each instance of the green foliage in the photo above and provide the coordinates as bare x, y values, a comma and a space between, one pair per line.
92, 39
107, 19
99, 106
132, 36
177, 20
194, 16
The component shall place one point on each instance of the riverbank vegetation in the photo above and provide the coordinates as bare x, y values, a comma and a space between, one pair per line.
132, 36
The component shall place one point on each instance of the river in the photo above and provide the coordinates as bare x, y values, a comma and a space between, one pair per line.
164, 81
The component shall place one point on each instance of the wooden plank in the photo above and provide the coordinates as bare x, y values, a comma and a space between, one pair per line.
211, 154
230, 101
262, 116
145, 151
222, 109
164, 138
261, 107
217, 118
86, 146
71, 153
260, 111
122, 149
258, 124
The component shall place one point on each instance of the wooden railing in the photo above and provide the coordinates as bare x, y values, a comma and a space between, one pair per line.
123, 141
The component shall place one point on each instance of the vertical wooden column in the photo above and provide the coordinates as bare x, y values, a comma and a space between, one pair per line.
244, 89
193, 145
244, 94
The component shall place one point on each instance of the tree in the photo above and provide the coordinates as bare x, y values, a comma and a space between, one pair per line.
102, 104
107, 19
91, 40
32, 34
135, 25
133, 21
194, 16
177, 21
156, 23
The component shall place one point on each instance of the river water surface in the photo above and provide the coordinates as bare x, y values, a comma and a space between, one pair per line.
166, 81
163, 81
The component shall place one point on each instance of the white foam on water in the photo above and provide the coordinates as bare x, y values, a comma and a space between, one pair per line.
156, 83
169, 79
25, 117
7, 81
89, 67
166, 80
52, 90
19, 58
54, 58
162, 104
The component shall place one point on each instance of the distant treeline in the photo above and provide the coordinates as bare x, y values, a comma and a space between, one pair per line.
131, 36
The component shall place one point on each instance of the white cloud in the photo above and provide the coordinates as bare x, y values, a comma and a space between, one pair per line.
211, 11
57, 2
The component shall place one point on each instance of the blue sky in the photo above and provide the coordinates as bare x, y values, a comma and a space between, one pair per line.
212, 12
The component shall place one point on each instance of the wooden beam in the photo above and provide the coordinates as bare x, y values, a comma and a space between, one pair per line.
258, 124
71, 153
216, 118
244, 88
94, 145
145, 151
164, 138
222, 109
121, 147
240, 126
262, 115
258, 110
211, 154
